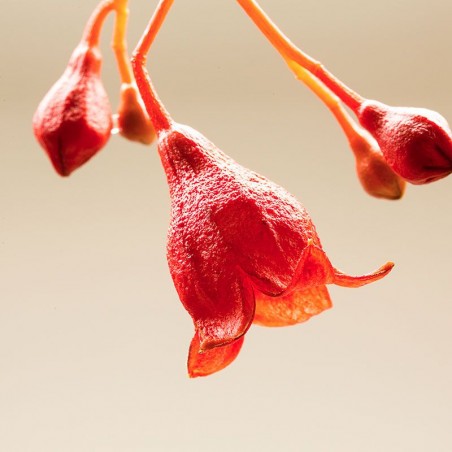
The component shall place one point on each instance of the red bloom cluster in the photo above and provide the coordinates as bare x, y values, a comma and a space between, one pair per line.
241, 249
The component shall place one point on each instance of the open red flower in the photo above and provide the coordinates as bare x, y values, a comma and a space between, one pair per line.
240, 248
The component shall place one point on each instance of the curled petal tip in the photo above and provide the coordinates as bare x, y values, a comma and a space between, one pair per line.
206, 344
220, 301
344, 280
206, 362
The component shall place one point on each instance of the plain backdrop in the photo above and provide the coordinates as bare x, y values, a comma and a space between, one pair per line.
93, 338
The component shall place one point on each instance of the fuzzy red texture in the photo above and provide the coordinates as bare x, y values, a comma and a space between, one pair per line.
73, 121
416, 142
240, 249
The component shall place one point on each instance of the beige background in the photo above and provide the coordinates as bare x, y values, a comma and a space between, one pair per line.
93, 339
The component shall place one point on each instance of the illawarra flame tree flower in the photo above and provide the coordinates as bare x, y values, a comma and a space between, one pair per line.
416, 142
240, 248
73, 121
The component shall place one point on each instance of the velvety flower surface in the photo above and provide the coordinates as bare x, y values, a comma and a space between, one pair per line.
240, 249
375, 175
73, 121
416, 142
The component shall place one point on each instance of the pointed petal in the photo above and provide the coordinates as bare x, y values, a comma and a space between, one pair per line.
315, 269
229, 319
216, 293
341, 279
291, 309
201, 364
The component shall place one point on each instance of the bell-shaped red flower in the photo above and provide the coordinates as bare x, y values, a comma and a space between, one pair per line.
240, 248
73, 121
416, 142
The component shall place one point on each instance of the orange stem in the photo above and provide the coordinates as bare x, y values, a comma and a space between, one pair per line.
160, 118
94, 25
119, 43
289, 51
348, 125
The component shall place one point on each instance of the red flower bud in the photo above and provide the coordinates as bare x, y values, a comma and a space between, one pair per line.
416, 142
374, 173
240, 248
132, 120
73, 121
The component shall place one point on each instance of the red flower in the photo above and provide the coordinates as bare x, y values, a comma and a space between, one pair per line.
73, 121
240, 249
375, 175
416, 142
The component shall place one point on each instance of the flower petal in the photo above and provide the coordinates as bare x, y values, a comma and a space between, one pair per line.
203, 363
266, 230
315, 269
293, 308
216, 293
341, 279
225, 314
229, 317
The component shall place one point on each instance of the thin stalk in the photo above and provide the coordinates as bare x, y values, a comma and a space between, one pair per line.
289, 51
93, 28
352, 131
160, 117
119, 43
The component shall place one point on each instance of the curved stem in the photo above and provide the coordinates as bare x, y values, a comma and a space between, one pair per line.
119, 44
160, 118
93, 27
351, 129
288, 50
